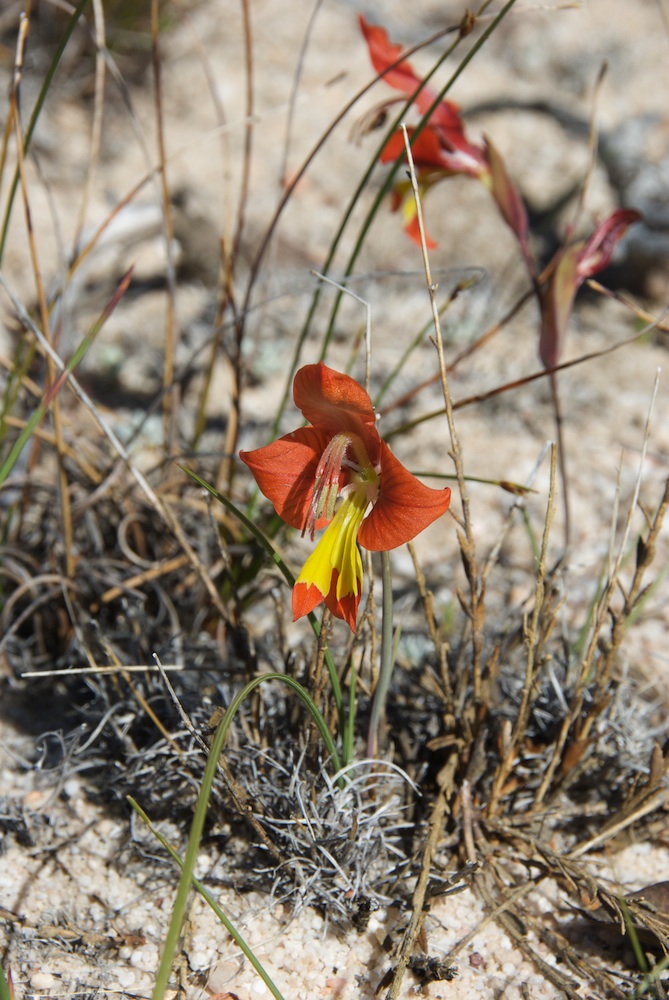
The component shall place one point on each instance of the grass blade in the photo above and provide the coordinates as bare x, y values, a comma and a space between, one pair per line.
209, 899
290, 580
197, 827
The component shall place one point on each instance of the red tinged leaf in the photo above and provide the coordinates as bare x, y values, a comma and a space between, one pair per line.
509, 201
598, 251
571, 266
556, 300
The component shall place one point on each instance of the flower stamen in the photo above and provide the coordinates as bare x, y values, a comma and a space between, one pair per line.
357, 470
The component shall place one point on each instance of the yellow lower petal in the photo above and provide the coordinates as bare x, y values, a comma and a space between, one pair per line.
338, 550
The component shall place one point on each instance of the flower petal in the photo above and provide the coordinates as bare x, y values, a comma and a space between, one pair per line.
571, 266
383, 53
334, 568
426, 150
285, 471
437, 148
306, 598
404, 506
335, 403
345, 605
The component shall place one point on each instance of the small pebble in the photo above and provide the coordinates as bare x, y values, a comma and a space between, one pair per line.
42, 981
126, 978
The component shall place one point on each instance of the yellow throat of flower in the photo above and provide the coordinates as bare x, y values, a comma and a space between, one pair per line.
338, 549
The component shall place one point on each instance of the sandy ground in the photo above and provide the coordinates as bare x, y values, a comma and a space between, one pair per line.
79, 913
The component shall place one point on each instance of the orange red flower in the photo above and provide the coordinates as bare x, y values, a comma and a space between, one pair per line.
441, 148
340, 457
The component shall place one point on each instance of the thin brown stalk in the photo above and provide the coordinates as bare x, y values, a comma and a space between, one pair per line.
142, 702
588, 671
229, 262
224, 283
31, 585
292, 100
467, 352
604, 606
318, 675
593, 139
74, 455
644, 557
153, 573
418, 911
515, 928
224, 478
13, 106
638, 311
248, 131
162, 509
562, 457
481, 397
467, 541
171, 391
532, 644
495, 910
441, 647
657, 801
98, 108
493, 554
66, 515
592, 144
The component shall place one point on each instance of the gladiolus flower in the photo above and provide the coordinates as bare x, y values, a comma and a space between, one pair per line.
570, 267
340, 455
441, 149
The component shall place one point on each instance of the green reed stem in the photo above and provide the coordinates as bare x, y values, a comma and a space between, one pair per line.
387, 658
41, 408
385, 187
197, 826
209, 899
266, 544
6, 992
39, 104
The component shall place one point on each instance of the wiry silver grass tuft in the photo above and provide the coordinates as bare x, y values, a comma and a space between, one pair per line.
341, 842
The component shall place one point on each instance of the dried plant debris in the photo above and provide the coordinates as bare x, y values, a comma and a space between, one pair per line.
339, 841
516, 755
19, 824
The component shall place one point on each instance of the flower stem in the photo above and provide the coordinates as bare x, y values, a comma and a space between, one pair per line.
387, 658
